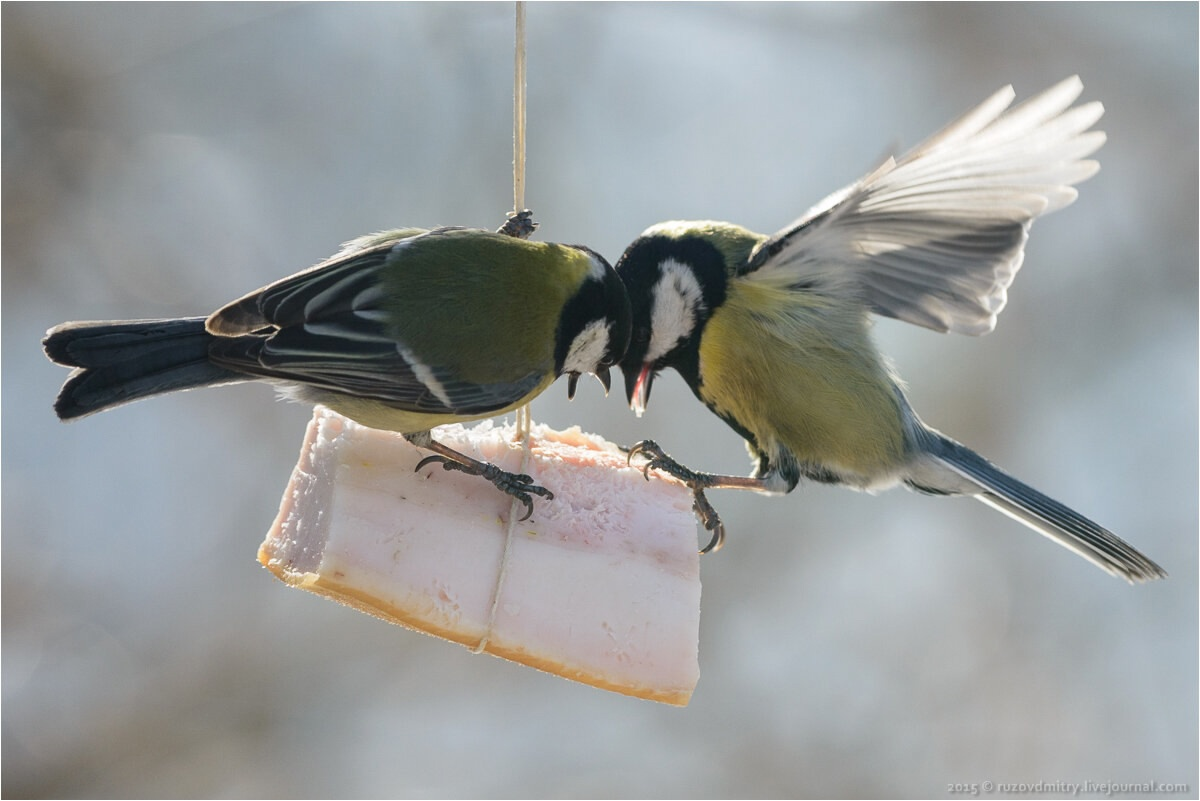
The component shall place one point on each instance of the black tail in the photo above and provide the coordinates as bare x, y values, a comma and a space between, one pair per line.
119, 362
1046, 515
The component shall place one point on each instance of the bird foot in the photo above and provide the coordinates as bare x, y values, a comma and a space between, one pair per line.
518, 485
658, 459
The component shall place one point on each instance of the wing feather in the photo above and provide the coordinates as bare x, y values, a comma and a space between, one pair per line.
327, 327
936, 237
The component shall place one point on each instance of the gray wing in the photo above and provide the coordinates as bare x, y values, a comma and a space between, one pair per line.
327, 327
936, 237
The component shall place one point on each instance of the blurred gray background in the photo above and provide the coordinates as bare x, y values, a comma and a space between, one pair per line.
163, 159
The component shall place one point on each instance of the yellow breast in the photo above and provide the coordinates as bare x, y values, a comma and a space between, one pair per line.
802, 374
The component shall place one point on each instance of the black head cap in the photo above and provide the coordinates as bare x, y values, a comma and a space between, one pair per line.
595, 325
674, 282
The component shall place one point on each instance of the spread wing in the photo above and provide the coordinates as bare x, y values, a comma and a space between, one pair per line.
936, 237
327, 327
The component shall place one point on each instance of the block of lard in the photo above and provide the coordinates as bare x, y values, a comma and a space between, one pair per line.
600, 585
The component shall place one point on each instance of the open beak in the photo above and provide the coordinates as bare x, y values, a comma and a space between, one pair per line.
637, 387
605, 379
573, 382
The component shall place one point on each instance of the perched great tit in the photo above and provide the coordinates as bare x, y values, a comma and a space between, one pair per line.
772, 332
403, 331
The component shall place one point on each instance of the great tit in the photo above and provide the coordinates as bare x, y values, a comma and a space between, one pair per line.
403, 330
772, 332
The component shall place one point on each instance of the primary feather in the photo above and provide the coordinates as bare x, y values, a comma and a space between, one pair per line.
936, 237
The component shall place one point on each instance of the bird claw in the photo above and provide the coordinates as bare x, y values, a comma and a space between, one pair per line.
517, 485
657, 459
710, 520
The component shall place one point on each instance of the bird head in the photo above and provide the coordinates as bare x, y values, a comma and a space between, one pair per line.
676, 274
595, 325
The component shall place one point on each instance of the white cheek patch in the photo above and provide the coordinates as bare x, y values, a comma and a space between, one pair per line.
677, 297
587, 348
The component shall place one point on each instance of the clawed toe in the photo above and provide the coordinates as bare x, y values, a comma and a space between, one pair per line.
710, 520
657, 459
517, 485
521, 486
447, 464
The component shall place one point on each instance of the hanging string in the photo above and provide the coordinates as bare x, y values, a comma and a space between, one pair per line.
519, 114
524, 420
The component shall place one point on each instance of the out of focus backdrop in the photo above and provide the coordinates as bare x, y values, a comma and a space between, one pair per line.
160, 160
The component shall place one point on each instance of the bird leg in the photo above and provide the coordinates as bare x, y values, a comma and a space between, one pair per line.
657, 459
518, 485
519, 225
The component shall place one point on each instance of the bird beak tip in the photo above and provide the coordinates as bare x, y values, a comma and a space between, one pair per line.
605, 379
640, 393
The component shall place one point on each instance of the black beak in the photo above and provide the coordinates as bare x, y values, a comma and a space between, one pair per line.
573, 382
605, 379
631, 374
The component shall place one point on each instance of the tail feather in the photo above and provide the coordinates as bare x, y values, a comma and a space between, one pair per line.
120, 362
1046, 515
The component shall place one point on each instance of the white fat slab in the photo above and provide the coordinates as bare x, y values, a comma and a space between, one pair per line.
677, 297
425, 375
587, 348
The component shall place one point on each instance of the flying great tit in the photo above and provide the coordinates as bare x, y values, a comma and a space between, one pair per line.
772, 332
403, 331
